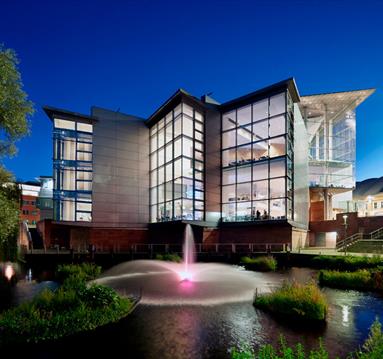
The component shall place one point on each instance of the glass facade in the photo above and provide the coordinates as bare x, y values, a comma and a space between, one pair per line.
177, 166
257, 160
72, 167
332, 148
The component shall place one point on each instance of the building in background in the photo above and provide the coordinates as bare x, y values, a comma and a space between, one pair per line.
29, 212
253, 169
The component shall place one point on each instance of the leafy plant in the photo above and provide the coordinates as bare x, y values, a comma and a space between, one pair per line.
263, 264
171, 257
292, 299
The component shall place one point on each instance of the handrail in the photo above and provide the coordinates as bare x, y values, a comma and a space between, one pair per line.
378, 232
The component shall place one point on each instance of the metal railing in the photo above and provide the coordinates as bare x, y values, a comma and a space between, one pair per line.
344, 243
153, 248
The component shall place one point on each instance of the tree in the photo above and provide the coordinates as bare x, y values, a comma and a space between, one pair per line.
15, 108
14, 104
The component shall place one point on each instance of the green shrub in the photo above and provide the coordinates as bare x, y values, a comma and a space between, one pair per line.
360, 279
263, 264
371, 349
72, 308
350, 263
171, 257
85, 271
299, 301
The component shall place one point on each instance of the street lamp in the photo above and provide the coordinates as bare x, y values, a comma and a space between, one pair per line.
345, 217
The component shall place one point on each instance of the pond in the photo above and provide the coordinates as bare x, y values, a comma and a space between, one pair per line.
207, 316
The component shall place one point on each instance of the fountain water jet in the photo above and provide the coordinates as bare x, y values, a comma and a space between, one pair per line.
188, 254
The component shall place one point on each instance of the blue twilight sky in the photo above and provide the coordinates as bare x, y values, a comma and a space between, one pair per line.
133, 55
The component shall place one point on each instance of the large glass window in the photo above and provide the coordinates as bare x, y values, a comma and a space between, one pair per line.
72, 167
255, 140
176, 178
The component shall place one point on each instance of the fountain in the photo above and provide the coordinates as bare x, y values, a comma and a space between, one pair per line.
188, 254
189, 282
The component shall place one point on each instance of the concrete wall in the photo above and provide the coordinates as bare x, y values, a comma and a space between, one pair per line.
120, 170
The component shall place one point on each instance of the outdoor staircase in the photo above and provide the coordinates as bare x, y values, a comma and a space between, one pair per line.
37, 241
363, 243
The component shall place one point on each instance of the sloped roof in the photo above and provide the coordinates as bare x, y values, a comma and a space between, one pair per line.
368, 187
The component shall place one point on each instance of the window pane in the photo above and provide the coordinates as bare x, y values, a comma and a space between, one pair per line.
198, 136
161, 157
260, 171
278, 208
84, 127
65, 124
178, 188
198, 146
177, 127
277, 188
199, 195
244, 115
169, 118
198, 215
228, 120
228, 176
277, 146
228, 157
187, 145
177, 209
198, 116
260, 210
198, 155
277, 104
169, 152
169, 133
187, 209
187, 126
198, 126
277, 126
177, 148
261, 130
260, 110
153, 160
244, 154
277, 168
161, 123
153, 130
244, 135
260, 190
178, 168
198, 165
244, 211
187, 188
198, 175
161, 138
187, 110
244, 174
153, 195
187, 168
260, 151
169, 191
161, 193
161, 175
177, 110
228, 193
169, 172
168, 211
153, 179
153, 213
228, 212
244, 192
84, 156
228, 139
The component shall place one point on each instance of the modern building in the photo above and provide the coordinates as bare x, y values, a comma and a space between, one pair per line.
29, 212
253, 170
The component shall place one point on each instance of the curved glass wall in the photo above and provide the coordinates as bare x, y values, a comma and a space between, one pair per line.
177, 166
257, 157
72, 165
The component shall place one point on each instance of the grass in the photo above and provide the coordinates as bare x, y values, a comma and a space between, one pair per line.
263, 264
362, 279
171, 257
74, 307
371, 349
346, 263
294, 300
84, 271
